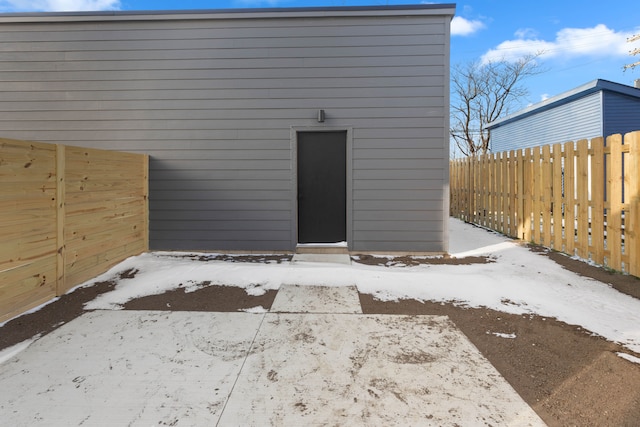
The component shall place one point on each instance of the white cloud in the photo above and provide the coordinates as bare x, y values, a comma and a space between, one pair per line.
463, 27
524, 33
58, 5
544, 97
569, 42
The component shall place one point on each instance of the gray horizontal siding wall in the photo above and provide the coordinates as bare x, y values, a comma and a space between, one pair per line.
212, 101
621, 113
579, 119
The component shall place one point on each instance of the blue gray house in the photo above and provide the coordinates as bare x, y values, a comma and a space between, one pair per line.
266, 128
597, 108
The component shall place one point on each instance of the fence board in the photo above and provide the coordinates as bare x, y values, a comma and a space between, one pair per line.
87, 203
557, 207
537, 188
493, 191
513, 231
528, 194
546, 195
614, 213
597, 200
569, 194
579, 198
582, 185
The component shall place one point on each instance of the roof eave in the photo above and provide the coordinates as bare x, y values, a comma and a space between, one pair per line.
445, 9
565, 98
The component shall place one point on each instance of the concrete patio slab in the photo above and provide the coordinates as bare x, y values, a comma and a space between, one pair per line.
337, 369
144, 368
316, 299
122, 368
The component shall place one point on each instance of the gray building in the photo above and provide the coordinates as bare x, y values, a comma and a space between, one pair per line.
266, 128
597, 108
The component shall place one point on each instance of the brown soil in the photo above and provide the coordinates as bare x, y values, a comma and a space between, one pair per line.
568, 376
401, 261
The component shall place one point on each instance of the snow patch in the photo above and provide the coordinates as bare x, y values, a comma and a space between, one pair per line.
255, 310
502, 335
629, 357
14, 350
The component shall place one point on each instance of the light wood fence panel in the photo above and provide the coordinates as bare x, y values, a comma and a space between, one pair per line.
581, 198
66, 215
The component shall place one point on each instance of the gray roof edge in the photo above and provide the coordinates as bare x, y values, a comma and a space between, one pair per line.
413, 9
566, 97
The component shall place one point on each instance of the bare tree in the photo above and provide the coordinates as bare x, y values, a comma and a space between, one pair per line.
482, 93
633, 52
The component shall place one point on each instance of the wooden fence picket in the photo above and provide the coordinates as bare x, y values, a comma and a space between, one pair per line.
597, 200
614, 213
582, 186
558, 207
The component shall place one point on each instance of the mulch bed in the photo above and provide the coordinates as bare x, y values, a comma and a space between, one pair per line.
568, 376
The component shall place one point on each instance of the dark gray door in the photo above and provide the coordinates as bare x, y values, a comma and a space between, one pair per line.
322, 187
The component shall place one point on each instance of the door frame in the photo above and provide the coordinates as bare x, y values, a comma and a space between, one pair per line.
294, 177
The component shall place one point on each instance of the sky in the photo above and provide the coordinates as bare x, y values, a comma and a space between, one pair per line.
581, 40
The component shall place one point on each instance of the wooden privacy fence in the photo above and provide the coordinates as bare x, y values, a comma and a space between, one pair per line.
578, 198
67, 214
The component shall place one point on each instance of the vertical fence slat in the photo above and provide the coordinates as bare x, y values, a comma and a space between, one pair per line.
537, 185
582, 175
597, 200
513, 229
498, 189
557, 197
614, 214
633, 197
506, 165
492, 197
502, 207
520, 194
569, 194
528, 194
487, 190
546, 194
468, 193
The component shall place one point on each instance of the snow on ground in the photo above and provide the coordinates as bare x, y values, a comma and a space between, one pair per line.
629, 357
519, 282
9, 352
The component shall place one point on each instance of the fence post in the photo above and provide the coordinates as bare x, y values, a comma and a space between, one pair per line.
145, 195
632, 229
60, 218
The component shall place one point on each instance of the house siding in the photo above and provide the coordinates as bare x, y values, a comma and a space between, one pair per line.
621, 113
213, 102
578, 119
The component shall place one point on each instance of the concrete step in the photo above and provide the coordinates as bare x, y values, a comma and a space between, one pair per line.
327, 258
309, 248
